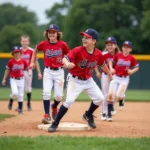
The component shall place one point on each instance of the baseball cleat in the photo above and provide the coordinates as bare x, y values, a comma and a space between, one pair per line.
109, 119
113, 112
46, 119
103, 117
54, 112
89, 120
20, 112
29, 107
53, 127
10, 106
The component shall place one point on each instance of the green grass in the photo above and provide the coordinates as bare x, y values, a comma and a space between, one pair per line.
131, 95
4, 116
73, 143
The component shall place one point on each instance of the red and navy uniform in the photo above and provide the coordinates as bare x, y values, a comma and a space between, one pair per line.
123, 63
85, 62
17, 67
53, 52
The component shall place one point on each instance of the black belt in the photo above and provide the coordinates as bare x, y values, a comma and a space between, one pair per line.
51, 68
122, 76
83, 79
17, 78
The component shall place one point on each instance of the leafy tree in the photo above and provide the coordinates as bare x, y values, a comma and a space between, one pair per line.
12, 15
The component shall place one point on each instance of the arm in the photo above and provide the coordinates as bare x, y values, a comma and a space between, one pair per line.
32, 64
37, 66
98, 74
67, 64
132, 71
105, 68
112, 70
5, 76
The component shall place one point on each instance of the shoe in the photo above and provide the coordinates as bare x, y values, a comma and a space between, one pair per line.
109, 119
89, 120
20, 112
53, 127
29, 107
103, 117
113, 112
46, 119
10, 106
54, 112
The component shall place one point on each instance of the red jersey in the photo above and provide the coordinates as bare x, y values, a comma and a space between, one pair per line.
27, 55
53, 52
16, 67
85, 62
123, 63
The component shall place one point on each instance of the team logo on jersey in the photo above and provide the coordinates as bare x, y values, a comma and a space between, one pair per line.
91, 64
53, 53
83, 63
17, 67
122, 62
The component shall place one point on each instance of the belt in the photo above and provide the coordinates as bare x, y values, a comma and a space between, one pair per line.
83, 79
17, 78
122, 76
51, 68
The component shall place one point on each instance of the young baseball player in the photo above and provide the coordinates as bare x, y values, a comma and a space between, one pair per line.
54, 50
15, 68
125, 66
110, 50
81, 62
27, 55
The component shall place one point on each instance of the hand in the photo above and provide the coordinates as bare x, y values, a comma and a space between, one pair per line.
39, 76
112, 70
70, 65
110, 77
129, 71
32, 65
3, 82
98, 75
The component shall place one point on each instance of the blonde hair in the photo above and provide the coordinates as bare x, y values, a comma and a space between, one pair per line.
25, 37
59, 35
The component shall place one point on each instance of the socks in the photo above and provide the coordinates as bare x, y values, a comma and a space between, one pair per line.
61, 113
20, 104
110, 106
11, 100
28, 98
92, 108
46, 104
55, 104
121, 102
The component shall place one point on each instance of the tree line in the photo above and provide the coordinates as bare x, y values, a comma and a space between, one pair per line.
123, 19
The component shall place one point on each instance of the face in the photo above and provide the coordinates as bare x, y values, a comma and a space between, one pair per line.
88, 42
52, 35
17, 55
25, 42
126, 49
111, 47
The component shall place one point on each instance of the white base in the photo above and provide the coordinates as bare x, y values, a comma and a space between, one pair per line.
66, 126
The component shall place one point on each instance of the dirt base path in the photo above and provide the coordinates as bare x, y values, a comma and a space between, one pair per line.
132, 121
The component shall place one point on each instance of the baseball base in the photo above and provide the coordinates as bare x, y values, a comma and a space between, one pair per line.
66, 126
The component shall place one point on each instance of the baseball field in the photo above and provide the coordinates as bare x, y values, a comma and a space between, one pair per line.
129, 130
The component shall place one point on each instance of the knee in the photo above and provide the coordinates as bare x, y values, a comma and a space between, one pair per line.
28, 90
58, 98
119, 98
68, 104
14, 95
99, 100
46, 95
110, 97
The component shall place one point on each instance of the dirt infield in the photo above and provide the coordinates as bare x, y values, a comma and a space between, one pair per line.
133, 121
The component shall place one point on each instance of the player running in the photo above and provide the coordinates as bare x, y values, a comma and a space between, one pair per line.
81, 62
54, 50
15, 68
125, 66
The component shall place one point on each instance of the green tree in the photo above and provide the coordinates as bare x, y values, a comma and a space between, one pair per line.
12, 15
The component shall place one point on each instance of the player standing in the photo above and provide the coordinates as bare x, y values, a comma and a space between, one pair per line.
54, 50
27, 55
110, 50
125, 65
16, 67
81, 62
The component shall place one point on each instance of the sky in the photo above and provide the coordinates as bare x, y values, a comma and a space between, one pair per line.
37, 6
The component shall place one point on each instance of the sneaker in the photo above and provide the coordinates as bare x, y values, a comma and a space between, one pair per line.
103, 117
20, 112
46, 119
109, 119
89, 120
10, 106
53, 127
113, 112
54, 112
29, 107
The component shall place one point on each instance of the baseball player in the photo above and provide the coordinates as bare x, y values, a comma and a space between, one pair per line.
81, 62
110, 50
16, 67
27, 55
125, 66
54, 50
